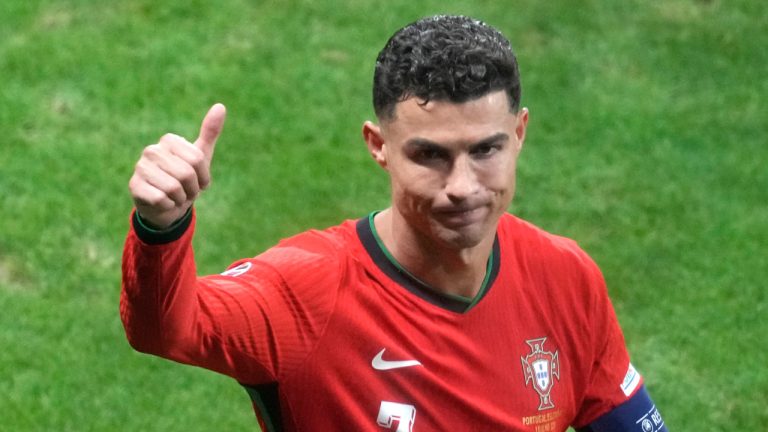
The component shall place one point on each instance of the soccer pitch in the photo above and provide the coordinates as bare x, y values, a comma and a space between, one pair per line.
646, 144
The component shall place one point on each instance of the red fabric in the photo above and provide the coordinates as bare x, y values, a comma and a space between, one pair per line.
312, 312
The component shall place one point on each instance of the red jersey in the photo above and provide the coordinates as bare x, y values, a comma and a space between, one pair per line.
327, 332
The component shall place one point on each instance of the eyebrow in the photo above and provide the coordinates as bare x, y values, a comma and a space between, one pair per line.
423, 142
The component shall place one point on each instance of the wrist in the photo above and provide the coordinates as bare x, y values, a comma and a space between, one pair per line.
151, 234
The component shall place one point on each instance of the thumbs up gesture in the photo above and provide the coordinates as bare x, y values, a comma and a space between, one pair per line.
171, 174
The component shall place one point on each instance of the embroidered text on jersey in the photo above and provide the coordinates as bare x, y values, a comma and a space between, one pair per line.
379, 363
541, 367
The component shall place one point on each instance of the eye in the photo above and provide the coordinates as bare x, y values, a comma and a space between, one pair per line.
485, 150
429, 155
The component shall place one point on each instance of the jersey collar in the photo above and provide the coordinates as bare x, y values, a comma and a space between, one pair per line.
383, 259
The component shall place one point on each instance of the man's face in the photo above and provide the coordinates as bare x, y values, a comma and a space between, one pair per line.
452, 166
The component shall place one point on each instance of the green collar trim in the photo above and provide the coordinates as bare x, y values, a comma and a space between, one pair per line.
470, 302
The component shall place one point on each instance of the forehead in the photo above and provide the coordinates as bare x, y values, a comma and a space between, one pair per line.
445, 121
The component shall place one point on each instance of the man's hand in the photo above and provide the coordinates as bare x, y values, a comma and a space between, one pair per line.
170, 174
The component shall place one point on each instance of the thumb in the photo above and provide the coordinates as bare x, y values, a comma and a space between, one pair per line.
210, 129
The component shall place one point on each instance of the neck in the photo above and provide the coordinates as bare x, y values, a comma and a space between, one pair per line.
449, 270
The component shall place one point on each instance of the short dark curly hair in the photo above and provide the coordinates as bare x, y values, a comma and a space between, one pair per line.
453, 58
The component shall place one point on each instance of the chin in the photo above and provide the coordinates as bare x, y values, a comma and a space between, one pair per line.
465, 238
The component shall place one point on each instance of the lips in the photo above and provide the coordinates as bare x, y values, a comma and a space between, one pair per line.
461, 216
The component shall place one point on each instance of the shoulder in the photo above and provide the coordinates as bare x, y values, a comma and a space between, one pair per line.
301, 272
553, 269
310, 246
527, 240
314, 258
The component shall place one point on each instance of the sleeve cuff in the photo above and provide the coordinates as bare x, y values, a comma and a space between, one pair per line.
167, 235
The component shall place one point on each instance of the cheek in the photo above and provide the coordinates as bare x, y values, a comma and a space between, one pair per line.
413, 186
500, 178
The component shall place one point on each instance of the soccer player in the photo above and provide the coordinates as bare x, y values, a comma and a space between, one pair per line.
442, 312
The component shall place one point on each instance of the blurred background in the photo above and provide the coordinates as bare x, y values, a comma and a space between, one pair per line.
646, 144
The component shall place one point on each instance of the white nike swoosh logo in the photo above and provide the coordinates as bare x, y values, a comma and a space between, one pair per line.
379, 363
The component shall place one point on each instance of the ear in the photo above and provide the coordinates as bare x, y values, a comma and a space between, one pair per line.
522, 124
375, 142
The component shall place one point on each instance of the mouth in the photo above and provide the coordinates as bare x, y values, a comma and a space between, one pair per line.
461, 216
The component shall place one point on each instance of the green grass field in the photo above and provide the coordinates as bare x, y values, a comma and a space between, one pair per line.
647, 144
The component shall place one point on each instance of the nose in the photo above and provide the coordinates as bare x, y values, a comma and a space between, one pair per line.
462, 181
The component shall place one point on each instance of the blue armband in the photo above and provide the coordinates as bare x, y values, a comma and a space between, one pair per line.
638, 414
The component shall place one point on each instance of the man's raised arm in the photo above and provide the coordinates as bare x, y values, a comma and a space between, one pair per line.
159, 304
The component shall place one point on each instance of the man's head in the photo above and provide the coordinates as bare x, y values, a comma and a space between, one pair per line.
446, 91
444, 58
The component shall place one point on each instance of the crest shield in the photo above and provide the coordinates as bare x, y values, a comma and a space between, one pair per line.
540, 368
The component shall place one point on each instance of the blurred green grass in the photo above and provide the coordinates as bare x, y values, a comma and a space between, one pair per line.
647, 144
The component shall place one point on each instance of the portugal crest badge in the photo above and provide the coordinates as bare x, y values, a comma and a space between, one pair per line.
541, 367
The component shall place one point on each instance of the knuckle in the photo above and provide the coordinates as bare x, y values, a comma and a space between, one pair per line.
173, 142
151, 150
205, 183
187, 173
197, 158
192, 155
134, 182
176, 190
148, 199
152, 200
168, 137
143, 166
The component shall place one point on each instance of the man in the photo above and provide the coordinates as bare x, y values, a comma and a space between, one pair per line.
441, 312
